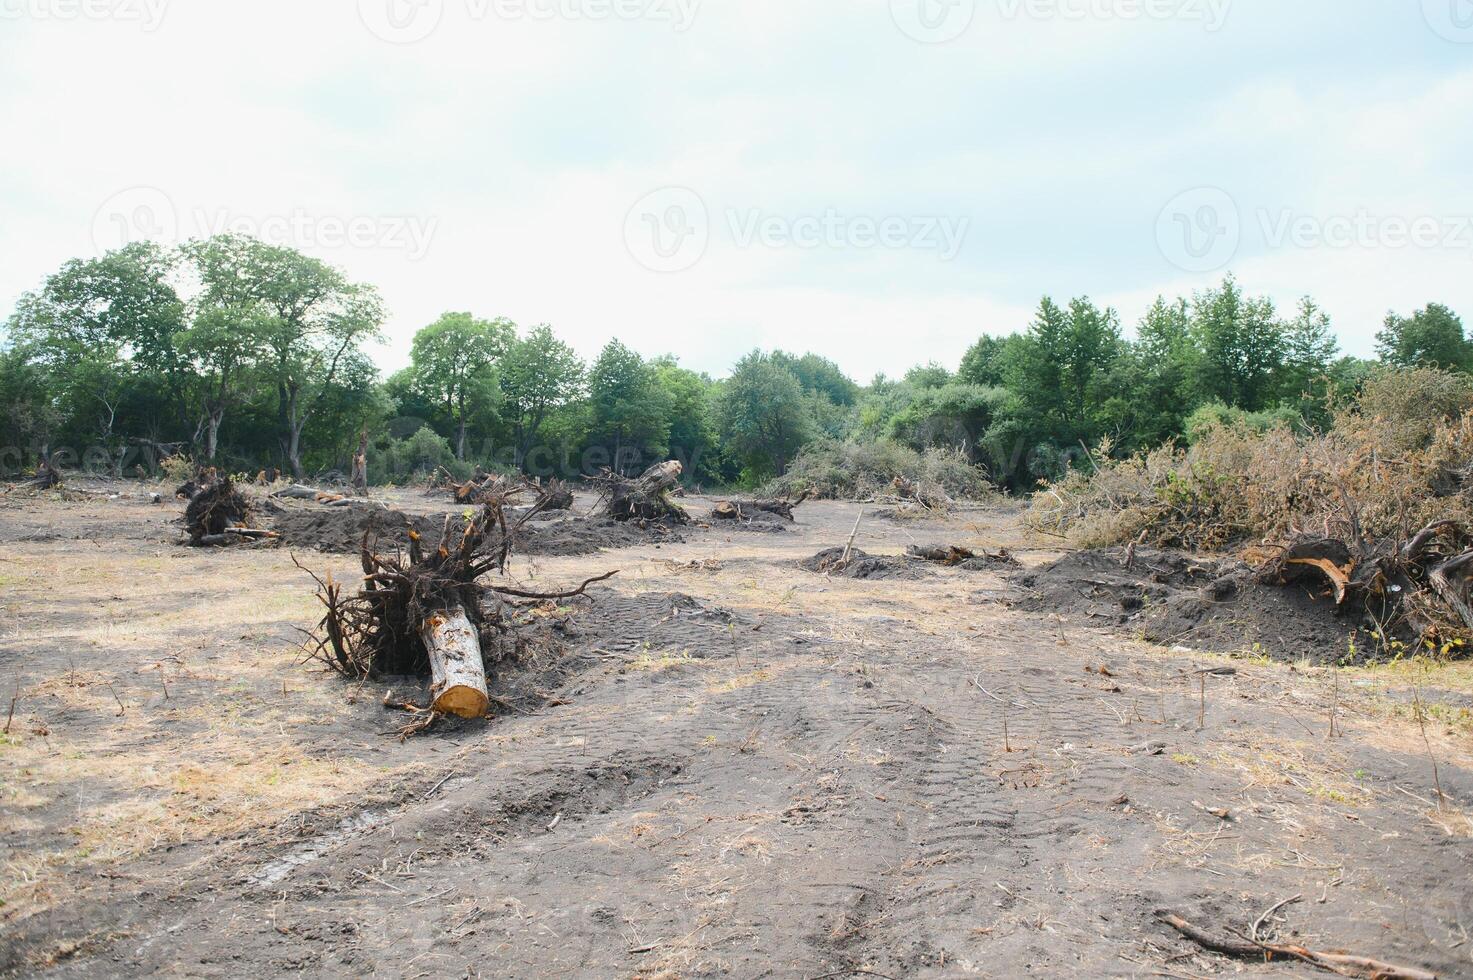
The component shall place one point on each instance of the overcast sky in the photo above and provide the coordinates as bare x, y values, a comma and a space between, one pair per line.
877, 181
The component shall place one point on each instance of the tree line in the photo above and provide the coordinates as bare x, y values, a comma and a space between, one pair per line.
248, 355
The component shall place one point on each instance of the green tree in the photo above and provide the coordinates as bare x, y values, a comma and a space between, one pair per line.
762, 415
630, 410
981, 364
313, 321
693, 436
539, 375
1240, 346
819, 375
1430, 337
454, 361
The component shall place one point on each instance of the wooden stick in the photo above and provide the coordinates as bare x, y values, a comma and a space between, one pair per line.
14, 698
852, 535
1341, 963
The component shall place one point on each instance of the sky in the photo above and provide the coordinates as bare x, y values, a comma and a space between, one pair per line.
878, 181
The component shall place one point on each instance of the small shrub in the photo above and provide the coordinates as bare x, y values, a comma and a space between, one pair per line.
830, 469
177, 468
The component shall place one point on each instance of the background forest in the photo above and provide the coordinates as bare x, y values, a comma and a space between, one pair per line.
250, 355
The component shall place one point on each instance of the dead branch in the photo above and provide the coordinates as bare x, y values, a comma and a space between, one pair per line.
1335, 962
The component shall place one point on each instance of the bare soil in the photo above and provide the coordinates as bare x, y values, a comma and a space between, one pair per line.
718, 763
1198, 602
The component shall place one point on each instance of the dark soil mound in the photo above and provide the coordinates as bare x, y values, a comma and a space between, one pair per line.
586, 535
1173, 598
341, 529
830, 561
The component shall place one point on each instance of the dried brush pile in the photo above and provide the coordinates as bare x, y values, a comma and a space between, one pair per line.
1378, 507
882, 472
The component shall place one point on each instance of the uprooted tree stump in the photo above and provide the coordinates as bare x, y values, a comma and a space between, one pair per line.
218, 513
426, 613
558, 495
645, 498
1419, 585
47, 476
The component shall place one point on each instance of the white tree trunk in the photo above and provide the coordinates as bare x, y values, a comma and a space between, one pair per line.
458, 674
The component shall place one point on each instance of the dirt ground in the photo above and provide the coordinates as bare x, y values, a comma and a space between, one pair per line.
720, 764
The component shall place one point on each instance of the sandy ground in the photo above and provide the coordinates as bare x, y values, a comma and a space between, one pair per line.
735, 767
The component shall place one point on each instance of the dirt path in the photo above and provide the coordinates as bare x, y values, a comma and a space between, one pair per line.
755, 772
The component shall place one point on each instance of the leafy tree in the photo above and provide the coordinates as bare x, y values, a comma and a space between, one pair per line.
955, 415
1430, 337
819, 375
1310, 349
539, 375
930, 375
763, 416
693, 436
630, 411
981, 365
313, 321
454, 362
1240, 347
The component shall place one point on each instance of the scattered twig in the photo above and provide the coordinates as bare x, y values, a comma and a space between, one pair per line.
1341, 963
1258, 923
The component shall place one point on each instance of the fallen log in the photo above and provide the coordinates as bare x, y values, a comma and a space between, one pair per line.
741, 510
457, 671
299, 492
955, 556
1344, 964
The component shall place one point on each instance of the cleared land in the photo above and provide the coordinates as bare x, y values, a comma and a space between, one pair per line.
719, 764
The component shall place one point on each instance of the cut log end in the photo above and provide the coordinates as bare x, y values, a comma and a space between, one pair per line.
457, 671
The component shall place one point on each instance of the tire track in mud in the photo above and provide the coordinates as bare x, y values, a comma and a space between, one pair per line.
991, 833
